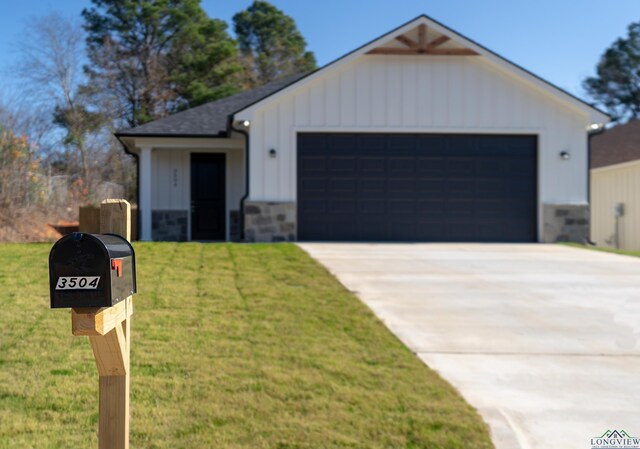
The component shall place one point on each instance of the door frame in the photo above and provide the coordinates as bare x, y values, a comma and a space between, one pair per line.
225, 216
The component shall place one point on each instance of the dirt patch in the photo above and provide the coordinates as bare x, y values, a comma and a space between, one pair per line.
33, 225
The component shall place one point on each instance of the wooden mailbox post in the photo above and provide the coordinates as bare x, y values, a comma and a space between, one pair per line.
109, 331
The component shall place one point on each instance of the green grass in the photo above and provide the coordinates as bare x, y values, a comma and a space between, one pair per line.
234, 346
605, 250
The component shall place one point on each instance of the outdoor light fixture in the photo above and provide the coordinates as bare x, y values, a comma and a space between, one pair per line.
246, 123
595, 127
564, 155
272, 152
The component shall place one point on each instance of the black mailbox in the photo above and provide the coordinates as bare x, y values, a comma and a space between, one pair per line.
91, 270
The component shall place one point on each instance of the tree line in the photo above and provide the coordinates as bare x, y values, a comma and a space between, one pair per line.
119, 65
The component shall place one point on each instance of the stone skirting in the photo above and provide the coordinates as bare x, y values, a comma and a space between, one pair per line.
565, 223
169, 225
269, 221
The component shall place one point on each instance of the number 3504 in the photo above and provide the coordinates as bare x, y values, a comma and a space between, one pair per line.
78, 283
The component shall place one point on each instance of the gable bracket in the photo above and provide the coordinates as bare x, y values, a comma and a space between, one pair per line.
422, 47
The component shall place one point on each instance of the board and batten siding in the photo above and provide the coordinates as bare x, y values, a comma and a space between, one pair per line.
611, 185
418, 94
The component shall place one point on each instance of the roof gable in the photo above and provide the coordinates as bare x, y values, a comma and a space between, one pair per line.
424, 35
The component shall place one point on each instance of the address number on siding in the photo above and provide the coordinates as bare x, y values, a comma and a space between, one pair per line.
78, 283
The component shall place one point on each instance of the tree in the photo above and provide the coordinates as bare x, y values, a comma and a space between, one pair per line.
203, 64
51, 64
155, 56
270, 43
617, 84
20, 178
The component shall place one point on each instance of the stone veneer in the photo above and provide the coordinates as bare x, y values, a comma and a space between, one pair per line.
565, 223
269, 221
169, 225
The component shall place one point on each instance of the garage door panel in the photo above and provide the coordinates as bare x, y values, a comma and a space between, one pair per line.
460, 188
460, 231
313, 205
457, 166
343, 206
371, 142
430, 209
460, 145
401, 207
372, 206
492, 166
314, 185
342, 165
348, 185
430, 165
428, 185
372, 185
491, 187
341, 142
457, 208
390, 187
403, 166
400, 142
313, 143
404, 231
372, 165
431, 231
432, 144
312, 164
407, 185
520, 166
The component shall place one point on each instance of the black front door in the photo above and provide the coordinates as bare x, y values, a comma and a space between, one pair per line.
208, 196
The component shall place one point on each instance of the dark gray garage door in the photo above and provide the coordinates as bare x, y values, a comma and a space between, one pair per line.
417, 187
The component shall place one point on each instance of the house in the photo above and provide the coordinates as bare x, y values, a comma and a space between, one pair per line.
419, 135
615, 187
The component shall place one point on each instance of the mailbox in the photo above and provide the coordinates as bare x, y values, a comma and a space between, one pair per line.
91, 270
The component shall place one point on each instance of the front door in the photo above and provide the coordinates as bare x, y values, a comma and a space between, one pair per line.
208, 196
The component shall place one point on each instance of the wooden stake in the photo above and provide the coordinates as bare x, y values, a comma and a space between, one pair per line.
109, 331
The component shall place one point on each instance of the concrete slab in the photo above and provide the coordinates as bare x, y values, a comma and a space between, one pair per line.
541, 339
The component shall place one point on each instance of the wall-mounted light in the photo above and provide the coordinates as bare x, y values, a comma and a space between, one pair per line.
565, 156
246, 123
595, 127
272, 152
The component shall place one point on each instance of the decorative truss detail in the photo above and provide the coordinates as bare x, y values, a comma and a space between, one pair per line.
422, 46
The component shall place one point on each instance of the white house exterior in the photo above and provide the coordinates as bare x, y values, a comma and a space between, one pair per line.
421, 134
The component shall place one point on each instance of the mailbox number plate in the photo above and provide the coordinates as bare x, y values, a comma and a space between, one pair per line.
78, 283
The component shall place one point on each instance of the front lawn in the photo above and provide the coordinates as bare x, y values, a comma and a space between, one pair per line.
234, 346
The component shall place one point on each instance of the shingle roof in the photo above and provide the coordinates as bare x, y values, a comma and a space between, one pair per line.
616, 145
209, 119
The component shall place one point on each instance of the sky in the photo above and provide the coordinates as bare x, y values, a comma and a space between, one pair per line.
558, 40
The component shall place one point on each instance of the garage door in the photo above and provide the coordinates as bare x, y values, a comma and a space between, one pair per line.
417, 187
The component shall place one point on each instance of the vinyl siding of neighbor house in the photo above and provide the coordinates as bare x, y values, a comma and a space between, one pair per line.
419, 94
611, 185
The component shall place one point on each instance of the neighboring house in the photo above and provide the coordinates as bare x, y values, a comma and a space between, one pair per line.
615, 187
419, 135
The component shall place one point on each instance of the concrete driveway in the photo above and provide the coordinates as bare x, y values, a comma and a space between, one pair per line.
541, 339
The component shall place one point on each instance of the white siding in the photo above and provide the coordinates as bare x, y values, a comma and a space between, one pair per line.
170, 180
419, 94
609, 186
